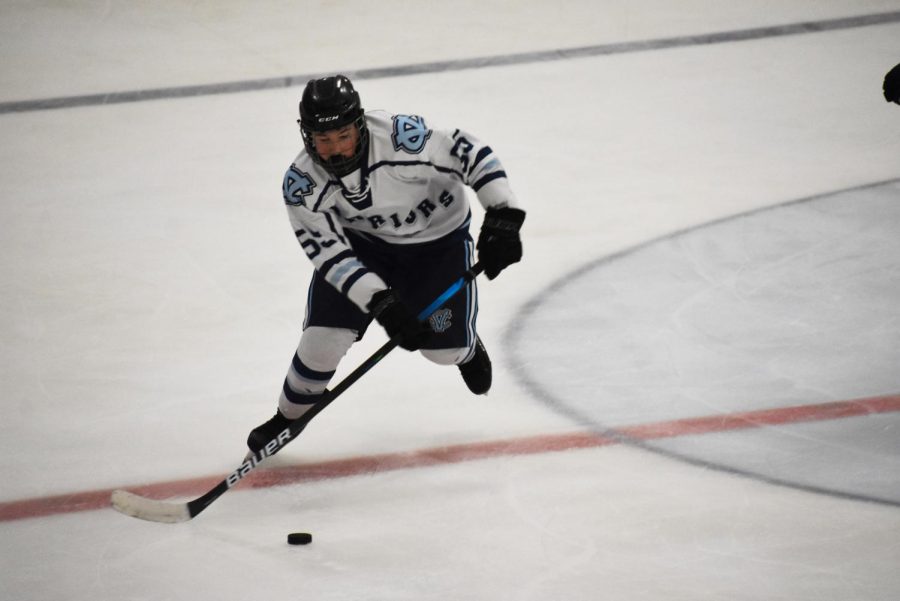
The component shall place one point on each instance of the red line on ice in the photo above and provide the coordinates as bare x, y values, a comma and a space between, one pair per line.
354, 466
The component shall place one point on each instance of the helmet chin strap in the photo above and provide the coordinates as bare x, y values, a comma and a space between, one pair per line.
354, 182
338, 161
340, 166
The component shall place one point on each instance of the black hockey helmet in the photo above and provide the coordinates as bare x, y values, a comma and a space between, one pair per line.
331, 103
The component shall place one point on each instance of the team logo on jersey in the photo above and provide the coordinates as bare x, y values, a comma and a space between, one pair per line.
440, 320
410, 133
297, 185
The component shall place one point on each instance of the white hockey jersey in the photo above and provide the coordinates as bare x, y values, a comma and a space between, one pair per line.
410, 190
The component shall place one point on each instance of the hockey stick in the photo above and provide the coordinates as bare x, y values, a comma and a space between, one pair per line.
173, 512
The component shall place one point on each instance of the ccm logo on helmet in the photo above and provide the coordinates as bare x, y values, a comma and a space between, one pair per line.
327, 119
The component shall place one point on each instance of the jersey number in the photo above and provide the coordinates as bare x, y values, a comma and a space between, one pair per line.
312, 242
461, 150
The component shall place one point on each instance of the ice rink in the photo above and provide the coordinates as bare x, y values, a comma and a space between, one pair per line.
696, 366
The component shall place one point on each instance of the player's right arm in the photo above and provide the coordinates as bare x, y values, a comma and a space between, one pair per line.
322, 238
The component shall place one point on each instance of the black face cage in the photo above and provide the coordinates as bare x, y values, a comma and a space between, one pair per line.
338, 166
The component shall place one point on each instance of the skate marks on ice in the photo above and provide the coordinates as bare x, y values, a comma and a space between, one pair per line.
788, 306
639, 434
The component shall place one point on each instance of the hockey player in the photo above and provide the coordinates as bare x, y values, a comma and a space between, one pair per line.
377, 201
891, 85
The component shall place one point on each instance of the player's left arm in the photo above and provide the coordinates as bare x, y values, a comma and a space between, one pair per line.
499, 243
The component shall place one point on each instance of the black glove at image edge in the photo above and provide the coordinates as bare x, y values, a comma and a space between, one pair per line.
891, 85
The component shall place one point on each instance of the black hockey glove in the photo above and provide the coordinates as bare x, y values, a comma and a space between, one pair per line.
499, 245
892, 85
399, 322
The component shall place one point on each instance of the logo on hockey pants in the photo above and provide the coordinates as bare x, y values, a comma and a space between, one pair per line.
440, 320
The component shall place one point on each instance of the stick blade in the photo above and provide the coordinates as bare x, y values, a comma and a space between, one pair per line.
151, 510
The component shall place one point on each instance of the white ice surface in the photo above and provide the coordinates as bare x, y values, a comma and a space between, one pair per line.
152, 295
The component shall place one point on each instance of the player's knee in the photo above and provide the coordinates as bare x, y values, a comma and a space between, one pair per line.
321, 349
445, 356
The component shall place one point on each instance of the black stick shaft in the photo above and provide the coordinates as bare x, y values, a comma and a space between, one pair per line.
202, 502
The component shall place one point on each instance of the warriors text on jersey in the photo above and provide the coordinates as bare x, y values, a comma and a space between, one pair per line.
411, 189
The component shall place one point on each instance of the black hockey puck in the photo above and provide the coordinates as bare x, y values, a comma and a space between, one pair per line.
299, 538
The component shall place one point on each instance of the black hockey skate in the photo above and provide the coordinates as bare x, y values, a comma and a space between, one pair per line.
477, 371
262, 434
